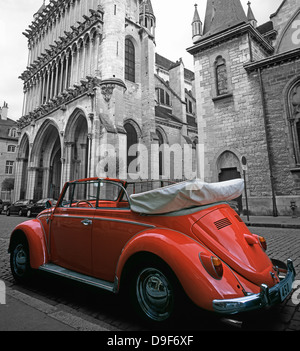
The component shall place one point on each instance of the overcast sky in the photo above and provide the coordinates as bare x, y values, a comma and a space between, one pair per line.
173, 37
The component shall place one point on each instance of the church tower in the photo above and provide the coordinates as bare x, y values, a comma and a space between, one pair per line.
227, 127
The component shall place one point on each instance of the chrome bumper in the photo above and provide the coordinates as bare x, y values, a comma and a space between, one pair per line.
266, 297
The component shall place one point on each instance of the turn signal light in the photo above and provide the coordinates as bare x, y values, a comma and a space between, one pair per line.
212, 264
263, 242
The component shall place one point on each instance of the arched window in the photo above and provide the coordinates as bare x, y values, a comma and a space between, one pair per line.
294, 105
132, 140
129, 60
160, 144
221, 76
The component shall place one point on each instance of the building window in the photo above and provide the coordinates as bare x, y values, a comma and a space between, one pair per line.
129, 60
189, 106
295, 120
9, 167
11, 148
13, 133
221, 76
163, 97
161, 156
132, 142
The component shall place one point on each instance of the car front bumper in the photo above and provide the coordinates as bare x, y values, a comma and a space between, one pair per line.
266, 297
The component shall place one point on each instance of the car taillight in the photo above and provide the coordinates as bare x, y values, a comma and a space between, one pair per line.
212, 264
263, 242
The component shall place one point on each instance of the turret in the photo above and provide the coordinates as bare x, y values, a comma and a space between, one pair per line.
250, 16
197, 26
147, 18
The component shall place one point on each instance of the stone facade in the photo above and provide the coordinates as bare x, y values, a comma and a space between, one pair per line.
90, 92
246, 83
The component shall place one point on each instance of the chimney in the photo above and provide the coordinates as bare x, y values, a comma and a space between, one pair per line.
4, 111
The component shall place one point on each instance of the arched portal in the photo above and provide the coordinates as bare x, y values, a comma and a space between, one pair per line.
77, 146
46, 158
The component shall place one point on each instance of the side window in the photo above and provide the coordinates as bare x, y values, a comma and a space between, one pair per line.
112, 195
80, 194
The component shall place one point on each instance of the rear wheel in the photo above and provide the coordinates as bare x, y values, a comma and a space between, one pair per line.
20, 260
154, 289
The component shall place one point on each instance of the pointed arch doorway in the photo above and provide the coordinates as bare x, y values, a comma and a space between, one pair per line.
46, 161
229, 168
77, 146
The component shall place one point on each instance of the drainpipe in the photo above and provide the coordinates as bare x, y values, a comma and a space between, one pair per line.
275, 211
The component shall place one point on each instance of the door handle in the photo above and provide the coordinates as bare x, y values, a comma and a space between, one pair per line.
86, 222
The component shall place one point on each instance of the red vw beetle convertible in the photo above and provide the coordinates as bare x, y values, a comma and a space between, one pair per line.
157, 246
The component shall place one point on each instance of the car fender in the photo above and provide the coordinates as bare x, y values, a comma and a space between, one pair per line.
36, 238
181, 253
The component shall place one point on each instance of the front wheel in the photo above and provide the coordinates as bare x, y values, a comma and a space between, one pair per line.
20, 260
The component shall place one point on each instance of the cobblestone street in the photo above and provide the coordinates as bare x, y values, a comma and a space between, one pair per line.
106, 311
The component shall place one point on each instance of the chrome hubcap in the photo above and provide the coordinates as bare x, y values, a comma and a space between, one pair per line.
154, 294
20, 260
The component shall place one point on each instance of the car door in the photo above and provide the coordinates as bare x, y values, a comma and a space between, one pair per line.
113, 226
71, 227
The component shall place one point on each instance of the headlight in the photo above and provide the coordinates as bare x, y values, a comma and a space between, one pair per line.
212, 264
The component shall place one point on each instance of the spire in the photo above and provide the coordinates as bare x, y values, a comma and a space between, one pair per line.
223, 14
250, 16
197, 26
147, 18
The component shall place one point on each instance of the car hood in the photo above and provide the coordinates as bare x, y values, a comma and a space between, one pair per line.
227, 236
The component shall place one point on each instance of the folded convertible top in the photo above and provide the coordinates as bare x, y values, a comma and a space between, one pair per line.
185, 195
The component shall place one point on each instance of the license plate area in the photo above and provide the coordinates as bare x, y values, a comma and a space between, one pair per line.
286, 288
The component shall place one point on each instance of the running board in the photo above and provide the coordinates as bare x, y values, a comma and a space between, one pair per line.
82, 278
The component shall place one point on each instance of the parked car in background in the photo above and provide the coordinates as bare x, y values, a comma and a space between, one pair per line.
19, 207
39, 206
4, 205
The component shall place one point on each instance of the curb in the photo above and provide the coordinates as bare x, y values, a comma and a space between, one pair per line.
273, 225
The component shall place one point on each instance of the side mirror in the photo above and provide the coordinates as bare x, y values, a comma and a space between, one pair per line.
48, 204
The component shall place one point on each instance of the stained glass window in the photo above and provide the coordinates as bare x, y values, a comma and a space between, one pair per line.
129, 60
221, 76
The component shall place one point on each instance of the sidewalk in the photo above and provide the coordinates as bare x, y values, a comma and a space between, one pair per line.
275, 222
22, 312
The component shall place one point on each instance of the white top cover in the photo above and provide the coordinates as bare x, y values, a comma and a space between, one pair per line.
185, 195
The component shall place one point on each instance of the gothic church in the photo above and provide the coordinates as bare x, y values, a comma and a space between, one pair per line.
95, 83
